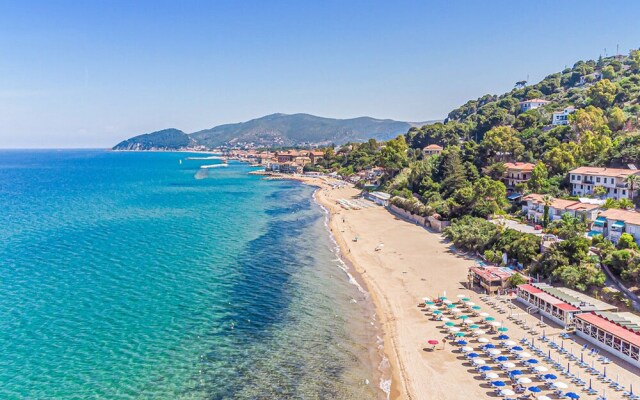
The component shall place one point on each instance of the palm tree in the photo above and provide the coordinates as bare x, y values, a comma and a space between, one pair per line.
632, 182
547, 200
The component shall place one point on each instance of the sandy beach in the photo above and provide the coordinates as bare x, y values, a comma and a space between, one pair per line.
414, 263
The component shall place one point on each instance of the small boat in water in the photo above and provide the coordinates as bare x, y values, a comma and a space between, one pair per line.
214, 166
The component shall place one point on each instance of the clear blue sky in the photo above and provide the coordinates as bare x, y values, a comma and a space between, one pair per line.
91, 73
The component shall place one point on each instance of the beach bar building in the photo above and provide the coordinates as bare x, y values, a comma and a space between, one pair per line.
618, 333
490, 278
379, 198
559, 304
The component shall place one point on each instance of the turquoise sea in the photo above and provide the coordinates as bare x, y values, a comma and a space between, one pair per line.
142, 276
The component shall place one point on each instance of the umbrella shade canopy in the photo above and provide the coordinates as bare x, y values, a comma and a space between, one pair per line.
463, 317
445, 319
468, 321
535, 389
572, 395
494, 352
516, 348
509, 343
524, 354
485, 368
451, 305
433, 307
503, 337
466, 299
480, 332
508, 364
433, 342
473, 326
496, 323
477, 308
490, 346
454, 329
443, 298
532, 361
460, 334
502, 358
478, 361
503, 329
516, 372
540, 368
466, 349
484, 314
462, 343
450, 323
456, 310
491, 375
559, 385
429, 302
507, 392
470, 303
437, 312
523, 381
483, 339
550, 377
489, 319
498, 384
473, 355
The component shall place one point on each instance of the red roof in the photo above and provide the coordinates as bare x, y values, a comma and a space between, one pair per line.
546, 297
613, 328
566, 307
529, 288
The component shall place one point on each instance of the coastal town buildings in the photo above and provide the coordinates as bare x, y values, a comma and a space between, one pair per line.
558, 304
562, 117
585, 179
613, 223
532, 104
431, 150
491, 279
379, 198
618, 333
533, 206
517, 172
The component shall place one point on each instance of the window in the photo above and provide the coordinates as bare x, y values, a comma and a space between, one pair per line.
615, 191
573, 177
624, 191
598, 179
581, 187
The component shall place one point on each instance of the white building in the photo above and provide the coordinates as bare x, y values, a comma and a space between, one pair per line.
616, 222
584, 179
562, 117
532, 104
534, 208
516, 173
618, 333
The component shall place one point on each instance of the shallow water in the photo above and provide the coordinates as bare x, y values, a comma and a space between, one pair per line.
130, 275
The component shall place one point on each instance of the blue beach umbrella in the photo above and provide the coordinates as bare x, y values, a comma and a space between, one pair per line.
443, 297
450, 323
572, 395
535, 389
503, 337
477, 308
516, 372
462, 342
485, 368
473, 355
489, 346
498, 383
502, 358
550, 377
532, 361
517, 348
437, 312
503, 329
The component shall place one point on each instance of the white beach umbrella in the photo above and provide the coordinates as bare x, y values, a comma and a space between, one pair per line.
433, 307
478, 361
524, 381
469, 321
543, 398
559, 385
494, 352
447, 301
483, 339
508, 364
524, 354
456, 310
496, 323
466, 349
540, 368
460, 296
445, 319
483, 314
479, 332
470, 303
509, 343
454, 329
507, 392
491, 375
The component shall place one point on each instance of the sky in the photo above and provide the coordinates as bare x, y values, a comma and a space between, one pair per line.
93, 73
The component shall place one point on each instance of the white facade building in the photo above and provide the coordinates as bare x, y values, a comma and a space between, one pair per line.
617, 222
584, 179
532, 104
562, 117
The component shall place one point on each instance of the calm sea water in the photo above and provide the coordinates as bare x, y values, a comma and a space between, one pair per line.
132, 275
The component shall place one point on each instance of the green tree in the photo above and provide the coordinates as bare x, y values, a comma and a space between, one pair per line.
539, 176
616, 119
516, 279
501, 143
454, 173
608, 72
603, 93
547, 200
633, 182
625, 204
599, 191
394, 155
626, 241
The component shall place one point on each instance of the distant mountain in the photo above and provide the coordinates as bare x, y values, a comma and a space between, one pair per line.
274, 130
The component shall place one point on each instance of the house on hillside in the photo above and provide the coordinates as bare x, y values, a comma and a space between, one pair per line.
584, 180
533, 206
517, 172
614, 222
431, 150
316, 156
562, 117
532, 104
